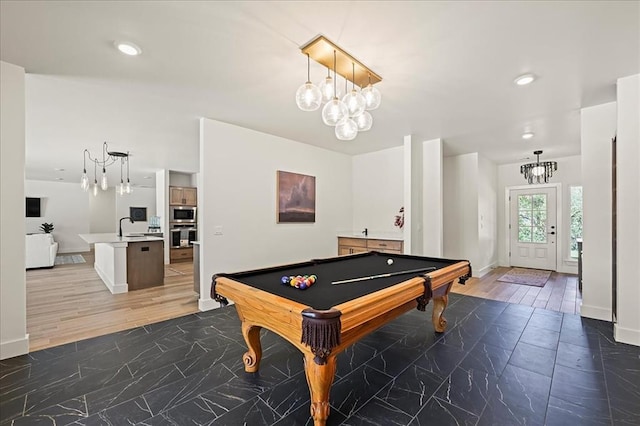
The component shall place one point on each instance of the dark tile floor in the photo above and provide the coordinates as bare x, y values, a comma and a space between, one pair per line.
498, 364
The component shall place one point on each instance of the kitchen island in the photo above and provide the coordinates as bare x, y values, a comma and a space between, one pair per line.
128, 263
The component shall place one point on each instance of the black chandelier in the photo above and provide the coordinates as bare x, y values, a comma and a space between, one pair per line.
108, 158
538, 172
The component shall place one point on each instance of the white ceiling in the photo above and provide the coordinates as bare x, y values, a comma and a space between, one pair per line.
447, 67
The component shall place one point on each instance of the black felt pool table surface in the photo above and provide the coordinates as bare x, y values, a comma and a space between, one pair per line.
323, 295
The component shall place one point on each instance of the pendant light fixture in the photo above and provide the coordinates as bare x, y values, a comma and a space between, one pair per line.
108, 158
538, 172
335, 110
84, 181
372, 96
308, 96
348, 114
354, 101
326, 87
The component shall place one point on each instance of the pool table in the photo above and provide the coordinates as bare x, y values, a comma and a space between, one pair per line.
324, 319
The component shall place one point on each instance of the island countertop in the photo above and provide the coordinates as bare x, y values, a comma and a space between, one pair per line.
114, 238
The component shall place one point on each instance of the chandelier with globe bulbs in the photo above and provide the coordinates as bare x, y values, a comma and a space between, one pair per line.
348, 113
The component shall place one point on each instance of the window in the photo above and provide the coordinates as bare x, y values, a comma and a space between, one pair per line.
575, 208
532, 218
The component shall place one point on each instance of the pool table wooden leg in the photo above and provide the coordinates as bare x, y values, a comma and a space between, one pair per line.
252, 357
319, 378
439, 305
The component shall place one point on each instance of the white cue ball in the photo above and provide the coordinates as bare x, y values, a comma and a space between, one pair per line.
390, 262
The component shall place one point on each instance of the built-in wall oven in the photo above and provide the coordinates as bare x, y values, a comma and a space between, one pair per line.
182, 214
182, 236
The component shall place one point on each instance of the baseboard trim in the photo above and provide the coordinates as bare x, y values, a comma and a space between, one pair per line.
113, 288
595, 312
484, 271
15, 347
209, 304
626, 335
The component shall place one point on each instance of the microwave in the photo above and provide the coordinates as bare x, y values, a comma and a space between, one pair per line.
182, 214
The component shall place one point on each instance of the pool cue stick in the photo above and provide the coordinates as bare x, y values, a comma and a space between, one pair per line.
389, 274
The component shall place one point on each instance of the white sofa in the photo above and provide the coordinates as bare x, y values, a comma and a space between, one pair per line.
41, 251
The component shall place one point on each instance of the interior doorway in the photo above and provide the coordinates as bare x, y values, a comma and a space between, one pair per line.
533, 228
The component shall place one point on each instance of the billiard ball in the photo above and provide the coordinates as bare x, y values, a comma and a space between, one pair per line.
390, 262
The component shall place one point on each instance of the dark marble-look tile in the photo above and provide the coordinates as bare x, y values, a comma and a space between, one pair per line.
403, 353
579, 357
197, 411
353, 357
108, 360
11, 408
439, 412
229, 355
117, 393
354, 390
521, 310
253, 412
488, 358
67, 390
302, 417
59, 414
520, 398
468, 389
540, 337
582, 388
512, 321
533, 358
624, 394
287, 396
182, 390
466, 334
129, 412
545, 321
287, 359
441, 359
505, 338
381, 339
563, 413
411, 389
377, 412
580, 336
142, 366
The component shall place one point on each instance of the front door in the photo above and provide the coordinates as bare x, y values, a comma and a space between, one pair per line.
533, 229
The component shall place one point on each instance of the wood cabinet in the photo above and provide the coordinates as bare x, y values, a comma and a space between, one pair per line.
182, 254
348, 245
182, 196
145, 264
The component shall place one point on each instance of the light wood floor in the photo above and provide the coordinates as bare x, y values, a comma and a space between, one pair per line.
70, 303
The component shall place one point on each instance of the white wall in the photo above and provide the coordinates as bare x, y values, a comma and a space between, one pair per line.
238, 170
66, 206
487, 214
569, 173
598, 127
102, 211
432, 198
628, 210
182, 179
140, 197
377, 191
162, 209
14, 339
470, 206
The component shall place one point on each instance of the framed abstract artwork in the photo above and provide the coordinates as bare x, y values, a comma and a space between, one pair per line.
296, 198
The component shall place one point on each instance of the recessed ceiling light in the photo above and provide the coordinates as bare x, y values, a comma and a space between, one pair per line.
146, 177
524, 79
527, 135
59, 170
59, 178
128, 48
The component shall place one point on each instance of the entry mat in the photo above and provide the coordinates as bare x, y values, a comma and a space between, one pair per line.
535, 277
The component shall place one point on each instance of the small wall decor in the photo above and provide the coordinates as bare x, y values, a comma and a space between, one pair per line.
139, 214
296, 198
399, 219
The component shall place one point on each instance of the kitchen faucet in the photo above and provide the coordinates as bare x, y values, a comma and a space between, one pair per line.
121, 219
